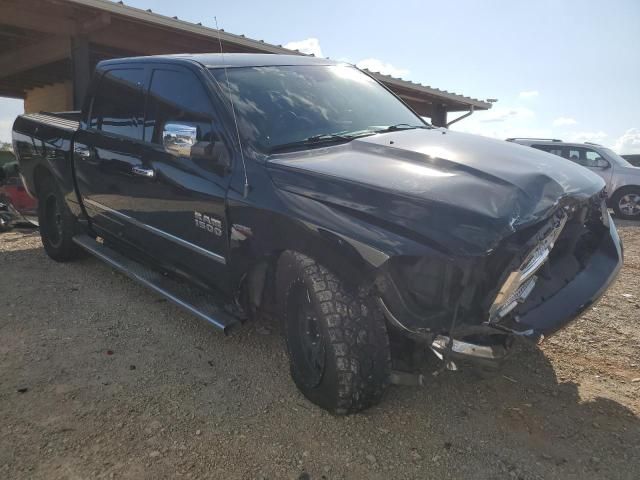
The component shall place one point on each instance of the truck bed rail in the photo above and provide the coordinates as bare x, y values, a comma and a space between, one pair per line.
53, 120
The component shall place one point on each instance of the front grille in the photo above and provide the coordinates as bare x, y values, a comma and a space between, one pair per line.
571, 254
520, 281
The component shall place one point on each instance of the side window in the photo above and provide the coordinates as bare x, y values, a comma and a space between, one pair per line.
585, 156
550, 149
573, 154
177, 97
594, 159
118, 106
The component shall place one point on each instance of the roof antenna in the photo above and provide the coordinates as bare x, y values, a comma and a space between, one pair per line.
245, 193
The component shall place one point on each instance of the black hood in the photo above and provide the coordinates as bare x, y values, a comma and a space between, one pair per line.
464, 192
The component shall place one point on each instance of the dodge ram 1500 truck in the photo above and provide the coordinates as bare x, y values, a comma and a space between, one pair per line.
249, 186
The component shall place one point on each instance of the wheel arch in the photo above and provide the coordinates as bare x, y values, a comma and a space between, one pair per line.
40, 175
624, 188
354, 263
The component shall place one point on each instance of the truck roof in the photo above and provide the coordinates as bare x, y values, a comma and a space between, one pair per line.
214, 60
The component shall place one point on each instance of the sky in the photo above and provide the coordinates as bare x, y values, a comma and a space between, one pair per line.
566, 69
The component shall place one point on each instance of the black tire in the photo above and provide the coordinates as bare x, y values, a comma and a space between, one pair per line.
57, 224
625, 196
340, 357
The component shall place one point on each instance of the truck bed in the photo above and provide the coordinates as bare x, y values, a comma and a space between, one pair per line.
46, 139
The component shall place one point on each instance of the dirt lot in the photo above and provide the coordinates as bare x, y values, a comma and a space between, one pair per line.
99, 378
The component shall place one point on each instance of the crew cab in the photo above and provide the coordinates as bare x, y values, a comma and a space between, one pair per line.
245, 187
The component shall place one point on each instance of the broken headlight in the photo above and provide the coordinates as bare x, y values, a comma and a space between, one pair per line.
520, 282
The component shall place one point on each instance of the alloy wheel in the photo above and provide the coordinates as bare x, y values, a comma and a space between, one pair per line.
629, 204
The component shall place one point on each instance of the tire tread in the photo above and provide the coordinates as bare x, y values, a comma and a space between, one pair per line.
357, 336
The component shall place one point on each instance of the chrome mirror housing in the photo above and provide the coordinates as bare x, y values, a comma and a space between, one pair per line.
178, 139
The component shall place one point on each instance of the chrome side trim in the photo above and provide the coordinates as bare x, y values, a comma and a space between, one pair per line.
393, 320
102, 253
195, 248
441, 344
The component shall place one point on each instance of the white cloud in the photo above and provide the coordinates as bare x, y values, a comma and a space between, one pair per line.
502, 114
629, 142
377, 65
501, 131
563, 121
502, 122
529, 94
595, 137
310, 46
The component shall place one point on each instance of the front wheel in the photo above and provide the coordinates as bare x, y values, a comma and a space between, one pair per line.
337, 340
626, 203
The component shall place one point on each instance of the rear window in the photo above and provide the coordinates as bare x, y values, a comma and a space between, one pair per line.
118, 106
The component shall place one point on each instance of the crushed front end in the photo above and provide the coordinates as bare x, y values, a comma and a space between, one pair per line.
532, 284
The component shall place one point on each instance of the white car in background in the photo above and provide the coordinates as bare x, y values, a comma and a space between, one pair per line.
622, 178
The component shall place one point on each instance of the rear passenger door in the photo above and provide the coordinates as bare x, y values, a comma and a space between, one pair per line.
179, 208
109, 149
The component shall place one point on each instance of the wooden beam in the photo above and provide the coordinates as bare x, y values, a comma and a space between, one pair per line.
12, 93
39, 21
96, 23
26, 58
142, 42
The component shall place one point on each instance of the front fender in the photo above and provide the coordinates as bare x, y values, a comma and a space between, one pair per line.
349, 245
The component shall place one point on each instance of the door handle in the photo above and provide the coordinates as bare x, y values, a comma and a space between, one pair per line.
143, 172
82, 151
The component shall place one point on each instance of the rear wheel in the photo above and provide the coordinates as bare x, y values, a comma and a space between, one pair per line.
337, 341
626, 203
57, 224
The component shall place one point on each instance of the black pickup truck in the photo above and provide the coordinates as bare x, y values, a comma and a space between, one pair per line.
245, 187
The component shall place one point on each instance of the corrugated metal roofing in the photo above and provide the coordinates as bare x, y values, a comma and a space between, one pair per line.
148, 16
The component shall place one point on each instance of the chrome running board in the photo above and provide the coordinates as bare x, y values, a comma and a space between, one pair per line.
200, 303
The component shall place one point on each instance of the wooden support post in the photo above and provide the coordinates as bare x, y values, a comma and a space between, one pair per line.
81, 66
439, 115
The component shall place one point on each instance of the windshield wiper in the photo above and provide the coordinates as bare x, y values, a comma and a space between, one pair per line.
399, 126
320, 139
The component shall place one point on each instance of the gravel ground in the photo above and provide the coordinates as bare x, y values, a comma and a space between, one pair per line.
99, 378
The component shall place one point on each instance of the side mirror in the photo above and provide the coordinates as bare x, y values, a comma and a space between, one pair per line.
178, 139
601, 163
215, 151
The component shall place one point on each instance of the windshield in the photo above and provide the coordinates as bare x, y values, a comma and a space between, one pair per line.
289, 105
617, 158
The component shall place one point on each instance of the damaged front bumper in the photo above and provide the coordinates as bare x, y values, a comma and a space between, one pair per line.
574, 276
554, 311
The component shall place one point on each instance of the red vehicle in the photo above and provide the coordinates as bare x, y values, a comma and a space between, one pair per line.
15, 203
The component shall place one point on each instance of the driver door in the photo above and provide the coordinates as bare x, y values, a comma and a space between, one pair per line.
178, 200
